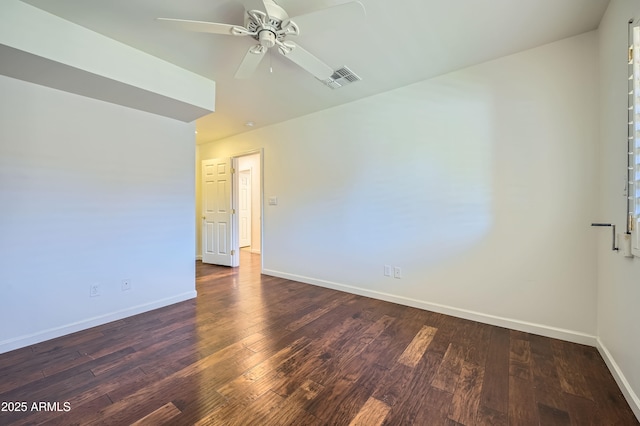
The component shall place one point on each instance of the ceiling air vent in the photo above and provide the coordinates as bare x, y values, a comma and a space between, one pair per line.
341, 77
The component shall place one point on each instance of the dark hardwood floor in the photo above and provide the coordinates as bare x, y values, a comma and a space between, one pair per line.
258, 350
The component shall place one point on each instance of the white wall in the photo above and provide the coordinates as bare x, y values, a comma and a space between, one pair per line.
478, 184
618, 277
90, 192
45, 49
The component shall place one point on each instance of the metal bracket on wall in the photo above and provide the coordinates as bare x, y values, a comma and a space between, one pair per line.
613, 233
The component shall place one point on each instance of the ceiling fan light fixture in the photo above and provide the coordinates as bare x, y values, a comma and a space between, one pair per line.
267, 38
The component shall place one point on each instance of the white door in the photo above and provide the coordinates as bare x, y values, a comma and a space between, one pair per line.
216, 212
244, 207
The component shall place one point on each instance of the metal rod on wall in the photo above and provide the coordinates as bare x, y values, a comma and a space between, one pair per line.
613, 233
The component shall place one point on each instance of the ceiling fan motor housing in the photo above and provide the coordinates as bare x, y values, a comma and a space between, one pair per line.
267, 37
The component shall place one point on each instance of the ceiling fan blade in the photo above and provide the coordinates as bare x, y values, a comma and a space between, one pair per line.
274, 11
201, 26
307, 61
331, 17
251, 61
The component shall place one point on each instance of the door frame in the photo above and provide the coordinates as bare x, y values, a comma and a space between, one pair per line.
235, 225
245, 175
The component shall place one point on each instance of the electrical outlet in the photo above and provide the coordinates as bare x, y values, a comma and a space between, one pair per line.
397, 272
94, 290
126, 285
387, 270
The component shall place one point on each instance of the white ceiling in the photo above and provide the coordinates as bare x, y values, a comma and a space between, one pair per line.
398, 42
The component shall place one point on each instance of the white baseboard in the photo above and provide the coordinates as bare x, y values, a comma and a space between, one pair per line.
631, 397
52, 333
199, 257
528, 327
255, 251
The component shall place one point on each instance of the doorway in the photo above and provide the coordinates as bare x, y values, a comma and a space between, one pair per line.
247, 201
221, 200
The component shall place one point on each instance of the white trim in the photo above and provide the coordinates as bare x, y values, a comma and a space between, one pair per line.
528, 327
52, 333
235, 227
632, 398
633, 167
260, 153
198, 257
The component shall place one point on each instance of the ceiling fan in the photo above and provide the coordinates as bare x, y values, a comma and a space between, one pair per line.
271, 27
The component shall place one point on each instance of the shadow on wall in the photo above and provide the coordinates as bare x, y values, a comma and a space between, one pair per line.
423, 181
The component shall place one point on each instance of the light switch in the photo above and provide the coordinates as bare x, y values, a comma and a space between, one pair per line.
273, 201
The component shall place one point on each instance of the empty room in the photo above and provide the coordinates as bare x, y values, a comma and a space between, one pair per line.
326, 212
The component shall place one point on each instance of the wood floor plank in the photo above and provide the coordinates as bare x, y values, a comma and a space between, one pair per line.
473, 336
333, 354
210, 370
372, 413
390, 344
22, 356
78, 411
350, 350
520, 359
489, 417
162, 416
449, 371
571, 377
257, 411
366, 375
291, 411
75, 340
495, 388
584, 412
243, 387
317, 313
523, 409
258, 350
331, 399
308, 364
139, 356
62, 384
15, 379
230, 410
434, 408
346, 406
418, 346
276, 360
420, 403
134, 379
395, 385
552, 416
548, 390
466, 397
602, 386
